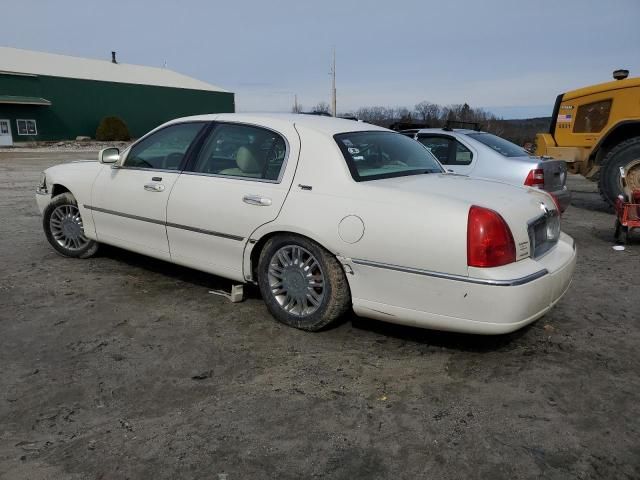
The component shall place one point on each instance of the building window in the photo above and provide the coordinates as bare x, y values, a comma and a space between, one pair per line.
27, 127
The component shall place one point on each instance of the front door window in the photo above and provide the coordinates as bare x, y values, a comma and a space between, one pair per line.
164, 149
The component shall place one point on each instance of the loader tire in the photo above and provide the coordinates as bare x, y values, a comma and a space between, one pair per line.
621, 155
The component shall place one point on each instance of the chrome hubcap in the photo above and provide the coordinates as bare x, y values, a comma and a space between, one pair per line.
66, 227
296, 280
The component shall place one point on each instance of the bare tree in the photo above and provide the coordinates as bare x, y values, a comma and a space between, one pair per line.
374, 115
402, 113
428, 112
321, 107
518, 131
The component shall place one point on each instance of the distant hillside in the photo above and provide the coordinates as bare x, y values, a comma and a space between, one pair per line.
520, 131
427, 114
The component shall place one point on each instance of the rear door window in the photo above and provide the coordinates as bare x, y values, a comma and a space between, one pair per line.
447, 150
242, 151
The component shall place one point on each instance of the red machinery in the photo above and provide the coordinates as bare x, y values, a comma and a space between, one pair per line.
628, 205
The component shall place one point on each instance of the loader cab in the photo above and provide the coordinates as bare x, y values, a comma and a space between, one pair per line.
588, 124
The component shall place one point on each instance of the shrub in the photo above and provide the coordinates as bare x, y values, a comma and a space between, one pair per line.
112, 128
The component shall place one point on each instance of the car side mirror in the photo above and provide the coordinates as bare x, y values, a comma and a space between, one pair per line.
109, 155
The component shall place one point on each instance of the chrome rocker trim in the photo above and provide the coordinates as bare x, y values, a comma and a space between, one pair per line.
160, 222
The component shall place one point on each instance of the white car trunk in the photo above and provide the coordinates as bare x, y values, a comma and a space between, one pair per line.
514, 208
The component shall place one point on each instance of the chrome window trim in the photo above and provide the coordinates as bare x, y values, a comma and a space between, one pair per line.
166, 224
166, 170
460, 278
251, 179
231, 177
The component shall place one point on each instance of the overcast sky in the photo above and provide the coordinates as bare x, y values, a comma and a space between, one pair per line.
511, 57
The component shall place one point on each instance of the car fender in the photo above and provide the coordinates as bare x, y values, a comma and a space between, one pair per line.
77, 178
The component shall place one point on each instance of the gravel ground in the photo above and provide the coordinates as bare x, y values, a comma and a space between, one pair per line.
126, 367
90, 146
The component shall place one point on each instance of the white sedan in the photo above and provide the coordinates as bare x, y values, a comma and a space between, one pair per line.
324, 215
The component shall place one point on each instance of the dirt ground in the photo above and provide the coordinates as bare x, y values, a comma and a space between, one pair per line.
121, 366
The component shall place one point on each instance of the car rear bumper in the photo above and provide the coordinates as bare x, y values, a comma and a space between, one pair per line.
486, 306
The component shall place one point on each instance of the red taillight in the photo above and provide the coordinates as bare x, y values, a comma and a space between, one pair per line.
535, 178
489, 240
557, 203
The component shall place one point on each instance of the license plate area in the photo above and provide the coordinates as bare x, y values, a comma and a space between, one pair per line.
544, 233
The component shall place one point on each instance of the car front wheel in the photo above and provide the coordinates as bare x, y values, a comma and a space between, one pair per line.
64, 229
303, 285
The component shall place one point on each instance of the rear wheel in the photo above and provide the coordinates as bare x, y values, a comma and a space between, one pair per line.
64, 229
303, 285
622, 155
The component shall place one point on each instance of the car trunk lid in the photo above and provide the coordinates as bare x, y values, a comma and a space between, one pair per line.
526, 210
555, 174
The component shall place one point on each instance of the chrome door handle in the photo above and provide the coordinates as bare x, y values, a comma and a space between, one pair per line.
256, 200
154, 187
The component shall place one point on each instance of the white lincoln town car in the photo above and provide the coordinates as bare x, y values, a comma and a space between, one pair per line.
324, 215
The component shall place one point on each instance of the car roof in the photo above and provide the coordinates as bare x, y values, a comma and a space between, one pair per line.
464, 131
327, 125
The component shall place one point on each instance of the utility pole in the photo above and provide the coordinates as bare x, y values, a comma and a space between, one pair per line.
334, 111
295, 103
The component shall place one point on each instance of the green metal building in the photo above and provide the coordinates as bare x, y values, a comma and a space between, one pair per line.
45, 96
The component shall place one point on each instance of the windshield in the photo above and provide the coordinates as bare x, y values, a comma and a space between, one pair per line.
500, 145
375, 155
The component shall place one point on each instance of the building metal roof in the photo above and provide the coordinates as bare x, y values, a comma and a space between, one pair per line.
29, 62
18, 100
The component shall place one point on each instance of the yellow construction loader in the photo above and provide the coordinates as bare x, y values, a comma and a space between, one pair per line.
596, 130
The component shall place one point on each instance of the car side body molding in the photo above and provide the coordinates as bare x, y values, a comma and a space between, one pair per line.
159, 222
481, 281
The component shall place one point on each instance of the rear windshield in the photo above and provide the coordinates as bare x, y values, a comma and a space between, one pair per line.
375, 155
500, 145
